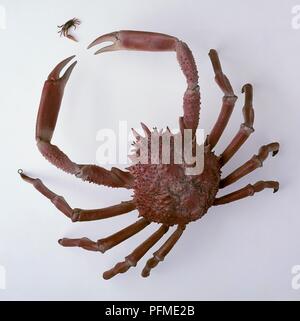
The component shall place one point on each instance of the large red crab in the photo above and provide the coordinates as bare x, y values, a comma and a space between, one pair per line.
163, 193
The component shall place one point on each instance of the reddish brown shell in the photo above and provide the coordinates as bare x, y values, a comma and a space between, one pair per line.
165, 194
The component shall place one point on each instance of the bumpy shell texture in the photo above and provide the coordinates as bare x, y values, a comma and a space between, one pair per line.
165, 194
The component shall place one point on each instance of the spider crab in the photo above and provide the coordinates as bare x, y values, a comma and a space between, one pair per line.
162, 193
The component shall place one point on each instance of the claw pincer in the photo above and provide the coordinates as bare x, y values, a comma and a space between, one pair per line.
151, 41
51, 99
50, 103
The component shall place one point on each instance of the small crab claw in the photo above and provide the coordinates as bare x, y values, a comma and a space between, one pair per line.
51, 100
135, 40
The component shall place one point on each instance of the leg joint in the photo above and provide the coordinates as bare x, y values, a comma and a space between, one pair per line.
131, 261
251, 190
37, 182
158, 257
75, 217
247, 129
257, 160
230, 99
57, 200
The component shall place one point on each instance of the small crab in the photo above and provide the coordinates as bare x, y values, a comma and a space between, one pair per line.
163, 193
65, 28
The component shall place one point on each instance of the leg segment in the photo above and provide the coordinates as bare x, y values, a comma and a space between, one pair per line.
255, 162
47, 117
229, 100
165, 249
150, 41
249, 190
106, 244
246, 128
78, 215
137, 254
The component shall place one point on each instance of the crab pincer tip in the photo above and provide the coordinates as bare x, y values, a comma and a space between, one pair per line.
90, 45
104, 38
55, 73
68, 72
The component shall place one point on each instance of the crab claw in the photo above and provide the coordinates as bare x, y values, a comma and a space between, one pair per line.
158, 42
135, 40
110, 37
51, 100
55, 73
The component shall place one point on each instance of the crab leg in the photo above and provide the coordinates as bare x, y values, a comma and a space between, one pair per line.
245, 130
78, 215
107, 243
229, 100
255, 162
137, 254
150, 41
249, 190
46, 121
164, 250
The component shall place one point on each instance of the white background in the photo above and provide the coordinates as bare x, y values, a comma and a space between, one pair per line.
243, 250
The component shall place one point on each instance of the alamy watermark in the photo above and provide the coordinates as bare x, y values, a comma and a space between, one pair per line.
2, 278
296, 277
295, 22
152, 147
2, 17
